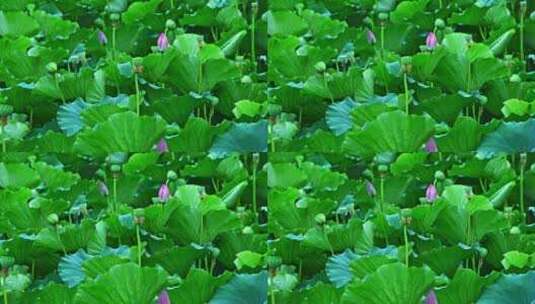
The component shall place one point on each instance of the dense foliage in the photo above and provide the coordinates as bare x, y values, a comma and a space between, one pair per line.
280, 151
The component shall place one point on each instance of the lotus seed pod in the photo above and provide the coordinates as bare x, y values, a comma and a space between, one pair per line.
515, 78
482, 251
439, 23
383, 16
115, 168
320, 66
439, 175
115, 17
320, 218
170, 24
273, 261
171, 175
139, 212
99, 22
367, 21
405, 60
52, 218
247, 230
52, 67
246, 79
383, 168
514, 230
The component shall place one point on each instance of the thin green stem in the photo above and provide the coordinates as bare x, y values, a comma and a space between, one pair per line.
172, 3
406, 86
113, 41
114, 193
272, 296
522, 58
382, 190
382, 39
253, 29
56, 80
255, 162
138, 95
406, 240
522, 193
138, 238
4, 146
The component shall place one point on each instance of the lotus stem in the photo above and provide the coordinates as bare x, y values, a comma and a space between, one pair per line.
440, 4
406, 86
523, 157
138, 97
382, 39
56, 80
382, 190
254, 9
255, 163
172, 3
138, 238
522, 15
406, 240
115, 193
5, 296
272, 296
4, 147
113, 41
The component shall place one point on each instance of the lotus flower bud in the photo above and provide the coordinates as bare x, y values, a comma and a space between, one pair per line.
514, 230
161, 146
163, 42
431, 40
440, 175
370, 36
163, 297
103, 189
431, 193
164, 193
431, 297
370, 188
382, 168
102, 39
115, 17
431, 145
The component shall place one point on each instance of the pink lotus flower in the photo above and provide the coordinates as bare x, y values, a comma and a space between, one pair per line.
371, 37
431, 145
164, 193
431, 40
102, 39
162, 146
103, 189
163, 42
370, 189
431, 193
431, 297
163, 298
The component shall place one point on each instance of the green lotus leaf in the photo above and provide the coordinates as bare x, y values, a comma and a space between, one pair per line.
123, 132
198, 287
391, 283
243, 138
285, 23
17, 24
390, 132
509, 289
464, 136
465, 287
509, 137
125, 283
243, 289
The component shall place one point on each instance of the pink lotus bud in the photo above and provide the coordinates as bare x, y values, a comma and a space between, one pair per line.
163, 298
102, 39
163, 42
371, 37
431, 145
103, 189
431, 193
161, 146
370, 189
431, 40
431, 297
163, 193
